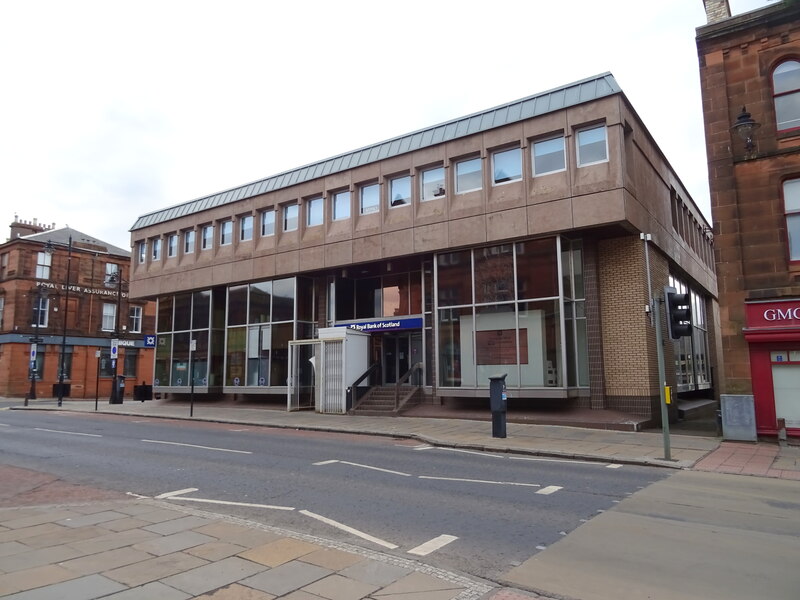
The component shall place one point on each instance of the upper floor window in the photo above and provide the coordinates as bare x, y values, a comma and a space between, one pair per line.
468, 175
791, 204
267, 223
370, 198
341, 205
400, 191
549, 156
246, 228
433, 183
109, 316
507, 165
111, 272
207, 237
156, 246
188, 242
141, 250
786, 87
225, 233
40, 311
43, 262
172, 245
290, 217
592, 146
314, 211
135, 324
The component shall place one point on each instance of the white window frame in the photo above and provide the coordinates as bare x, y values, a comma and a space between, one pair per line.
462, 162
189, 241
172, 245
778, 95
142, 251
495, 154
109, 316
544, 140
44, 260
135, 319
791, 210
43, 309
338, 205
315, 204
371, 208
582, 130
404, 201
291, 221
226, 233
207, 237
246, 228
155, 246
423, 197
268, 222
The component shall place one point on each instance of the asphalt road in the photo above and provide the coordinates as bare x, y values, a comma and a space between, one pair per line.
475, 512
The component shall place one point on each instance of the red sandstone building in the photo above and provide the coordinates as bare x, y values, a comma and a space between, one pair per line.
73, 318
750, 77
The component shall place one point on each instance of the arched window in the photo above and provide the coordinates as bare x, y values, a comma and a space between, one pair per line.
786, 87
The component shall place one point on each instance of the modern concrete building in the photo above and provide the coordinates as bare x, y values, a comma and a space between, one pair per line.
506, 241
63, 288
750, 77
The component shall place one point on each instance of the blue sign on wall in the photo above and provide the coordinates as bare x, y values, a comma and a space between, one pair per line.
149, 341
385, 325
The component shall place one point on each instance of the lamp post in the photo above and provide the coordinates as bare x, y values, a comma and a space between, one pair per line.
115, 278
64, 329
35, 340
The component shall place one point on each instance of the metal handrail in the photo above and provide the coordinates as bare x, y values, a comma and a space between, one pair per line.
402, 380
353, 386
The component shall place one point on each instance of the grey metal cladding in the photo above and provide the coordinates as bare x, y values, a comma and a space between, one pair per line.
571, 94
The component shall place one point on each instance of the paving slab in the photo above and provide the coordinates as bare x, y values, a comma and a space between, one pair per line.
336, 587
85, 588
168, 544
150, 591
236, 591
214, 575
156, 568
279, 552
286, 578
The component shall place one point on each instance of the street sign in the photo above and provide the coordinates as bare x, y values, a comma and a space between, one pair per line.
193, 346
149, 341
33, 352
114, 349
36, 340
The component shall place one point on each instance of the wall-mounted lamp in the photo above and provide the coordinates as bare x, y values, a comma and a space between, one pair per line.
745, 126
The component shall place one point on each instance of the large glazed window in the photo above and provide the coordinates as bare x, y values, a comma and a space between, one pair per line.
400, 191
468, 175
791, 204
786, 87
592, 146
507, 165
549, 156
433, 184
370, 198
314, 210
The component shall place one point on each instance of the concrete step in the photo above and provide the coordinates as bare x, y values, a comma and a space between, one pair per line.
697, 409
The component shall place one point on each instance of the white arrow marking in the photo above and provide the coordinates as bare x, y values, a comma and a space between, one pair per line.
229, 503
550, 489
433, 545
352, 464
325, 462
196, 446
349, 529
175, 493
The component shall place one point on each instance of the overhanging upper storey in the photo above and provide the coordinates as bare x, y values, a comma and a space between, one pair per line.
553, 100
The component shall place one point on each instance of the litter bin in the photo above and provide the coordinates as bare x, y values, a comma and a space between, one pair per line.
498, 404
116, 398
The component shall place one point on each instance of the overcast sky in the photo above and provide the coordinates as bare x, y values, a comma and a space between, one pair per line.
113, 109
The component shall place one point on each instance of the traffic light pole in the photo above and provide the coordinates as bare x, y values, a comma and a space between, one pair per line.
662, 379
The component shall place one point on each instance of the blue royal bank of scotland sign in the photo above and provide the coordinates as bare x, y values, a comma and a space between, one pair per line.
385, 325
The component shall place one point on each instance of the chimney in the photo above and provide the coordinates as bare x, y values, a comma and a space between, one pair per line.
21, 228
717, 10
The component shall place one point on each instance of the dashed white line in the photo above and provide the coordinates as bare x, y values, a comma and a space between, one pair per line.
550, 489
558, 460
175, 493
422, 447
196, 446
230, 503
67, 432
136, 495
475, 452
613, 466
436, 543
348, 529
482, 481
4, 425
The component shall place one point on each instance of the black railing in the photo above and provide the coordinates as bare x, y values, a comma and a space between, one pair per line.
402, 380
354, 393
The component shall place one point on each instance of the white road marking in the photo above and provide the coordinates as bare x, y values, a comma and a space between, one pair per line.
475, 452
238, 430
558, 460
136, 495
142, 421
229, 503
175, 493
67, 432
4, 425
352, 464
550, 489
349, 529
325, 462
613, 466
541, 547
422, 447
196, 446
482, 481
432, 545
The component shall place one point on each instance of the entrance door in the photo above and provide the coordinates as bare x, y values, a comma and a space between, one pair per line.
400, 352
786, 384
